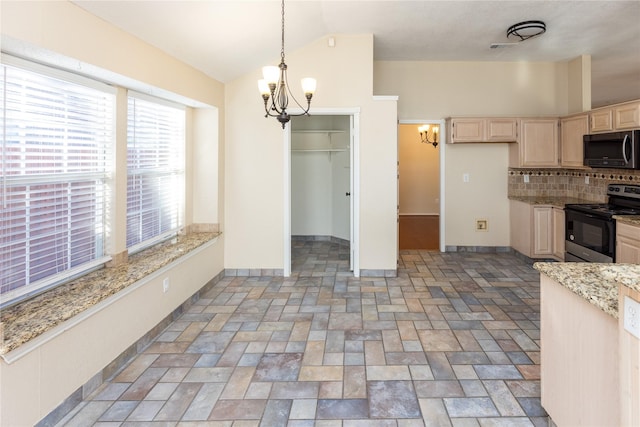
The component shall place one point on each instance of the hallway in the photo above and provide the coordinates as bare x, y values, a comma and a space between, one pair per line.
452, 341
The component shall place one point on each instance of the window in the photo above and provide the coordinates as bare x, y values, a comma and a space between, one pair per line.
57, 130
155, 178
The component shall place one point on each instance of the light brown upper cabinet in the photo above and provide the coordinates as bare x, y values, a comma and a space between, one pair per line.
482, 129
615, 117
572, 129
627, 116
537, 145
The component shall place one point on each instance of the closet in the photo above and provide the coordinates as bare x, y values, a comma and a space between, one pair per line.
321, 178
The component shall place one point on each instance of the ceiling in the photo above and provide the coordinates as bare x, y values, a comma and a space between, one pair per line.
226, 39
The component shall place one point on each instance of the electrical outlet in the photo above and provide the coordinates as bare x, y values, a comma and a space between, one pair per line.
482, 225
165, 284
632, 316
526, 178
586, 179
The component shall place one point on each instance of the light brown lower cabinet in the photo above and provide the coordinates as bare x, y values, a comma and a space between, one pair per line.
627, 243
589, 364
580, 384
558, 233
537, 231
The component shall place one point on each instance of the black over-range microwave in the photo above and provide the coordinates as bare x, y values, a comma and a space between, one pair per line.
619, 150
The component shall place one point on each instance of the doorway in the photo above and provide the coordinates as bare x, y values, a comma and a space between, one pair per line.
419, 222
322, 175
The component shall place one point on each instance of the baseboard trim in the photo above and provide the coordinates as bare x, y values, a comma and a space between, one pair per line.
479, 249
320, 238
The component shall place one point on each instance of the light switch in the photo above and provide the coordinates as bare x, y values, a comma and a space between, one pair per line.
465, 177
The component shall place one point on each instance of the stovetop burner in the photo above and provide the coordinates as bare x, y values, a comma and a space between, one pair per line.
623, 200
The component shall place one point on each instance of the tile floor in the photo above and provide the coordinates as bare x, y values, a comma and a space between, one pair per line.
452, 341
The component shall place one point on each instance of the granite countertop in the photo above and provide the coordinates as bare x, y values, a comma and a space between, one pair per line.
628, 219
26, 320
549, 200
597, 283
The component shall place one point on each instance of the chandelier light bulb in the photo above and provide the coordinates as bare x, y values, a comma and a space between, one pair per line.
271, 74
263, 87
308, 85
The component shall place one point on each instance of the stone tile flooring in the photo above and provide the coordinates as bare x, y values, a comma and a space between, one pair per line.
452, 341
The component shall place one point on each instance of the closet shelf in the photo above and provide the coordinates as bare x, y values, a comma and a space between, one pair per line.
319, 150
317, 131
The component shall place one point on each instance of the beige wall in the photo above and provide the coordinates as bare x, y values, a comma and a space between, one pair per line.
255, 156
419, 169
437, 90
61, 34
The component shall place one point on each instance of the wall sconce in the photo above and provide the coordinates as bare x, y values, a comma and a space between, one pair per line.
429, 135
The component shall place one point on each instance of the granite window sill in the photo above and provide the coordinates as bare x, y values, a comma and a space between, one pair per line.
31, 318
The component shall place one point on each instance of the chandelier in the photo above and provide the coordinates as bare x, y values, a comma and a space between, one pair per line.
275, 91
429, 135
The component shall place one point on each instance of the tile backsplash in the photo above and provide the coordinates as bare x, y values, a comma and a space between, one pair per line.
568, 182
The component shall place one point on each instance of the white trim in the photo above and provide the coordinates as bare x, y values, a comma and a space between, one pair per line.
56, 73
443, 144
385, 97
286, 217
355, 193
441, 151
154, 99
39, 341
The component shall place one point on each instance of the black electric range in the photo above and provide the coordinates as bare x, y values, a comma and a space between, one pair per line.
590, 228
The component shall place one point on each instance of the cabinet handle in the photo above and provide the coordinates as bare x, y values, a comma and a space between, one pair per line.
347, 194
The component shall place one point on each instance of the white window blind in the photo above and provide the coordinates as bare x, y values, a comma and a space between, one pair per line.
155, 178
54, 159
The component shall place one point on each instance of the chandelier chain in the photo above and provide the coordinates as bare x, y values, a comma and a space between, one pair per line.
282, 49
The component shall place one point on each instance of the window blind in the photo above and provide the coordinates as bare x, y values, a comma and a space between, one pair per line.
155, 178
54, 160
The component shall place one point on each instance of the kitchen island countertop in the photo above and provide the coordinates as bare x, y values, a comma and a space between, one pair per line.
595, 282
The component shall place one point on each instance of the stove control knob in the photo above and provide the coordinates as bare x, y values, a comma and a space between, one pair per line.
571, 237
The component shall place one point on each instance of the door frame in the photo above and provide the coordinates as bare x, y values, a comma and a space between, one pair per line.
441, 152
354, 225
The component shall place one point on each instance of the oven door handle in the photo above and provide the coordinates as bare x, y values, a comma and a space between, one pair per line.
624, 148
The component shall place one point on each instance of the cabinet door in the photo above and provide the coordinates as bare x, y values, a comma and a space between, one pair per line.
572, 129
627, 116
627, 250
539, 143
467, 130
542, 230
502, 130
520, 226
627, 244
602, 120
558, 233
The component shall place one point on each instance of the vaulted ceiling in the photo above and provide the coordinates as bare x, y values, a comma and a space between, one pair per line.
226, 39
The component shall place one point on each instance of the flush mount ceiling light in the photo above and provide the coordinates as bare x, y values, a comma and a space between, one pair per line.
526, 30
429, 135
274, 87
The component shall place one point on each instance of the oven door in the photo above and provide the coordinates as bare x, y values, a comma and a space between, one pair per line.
589, 238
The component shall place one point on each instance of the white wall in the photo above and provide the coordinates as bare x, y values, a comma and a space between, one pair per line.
443, 89
254, 161
419, 173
